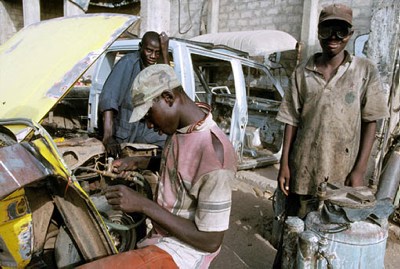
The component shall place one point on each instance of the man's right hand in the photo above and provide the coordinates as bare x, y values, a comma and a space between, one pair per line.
113, 148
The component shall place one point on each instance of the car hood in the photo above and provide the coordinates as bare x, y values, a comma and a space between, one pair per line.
40, 63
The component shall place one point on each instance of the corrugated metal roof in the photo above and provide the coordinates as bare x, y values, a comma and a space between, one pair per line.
256, 43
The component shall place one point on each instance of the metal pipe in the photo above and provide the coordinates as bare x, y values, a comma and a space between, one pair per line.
293, 227
307, 250
390, 177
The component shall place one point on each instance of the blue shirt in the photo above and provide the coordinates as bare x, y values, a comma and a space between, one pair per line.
116, 95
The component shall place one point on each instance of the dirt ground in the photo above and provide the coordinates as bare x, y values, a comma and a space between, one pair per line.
246, 243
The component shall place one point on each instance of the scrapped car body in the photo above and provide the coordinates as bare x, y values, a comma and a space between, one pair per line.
46, 216
45, 189
243, 93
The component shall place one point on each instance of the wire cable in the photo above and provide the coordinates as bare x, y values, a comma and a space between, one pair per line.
179, 18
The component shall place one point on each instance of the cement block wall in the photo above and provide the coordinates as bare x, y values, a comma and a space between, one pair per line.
242, 15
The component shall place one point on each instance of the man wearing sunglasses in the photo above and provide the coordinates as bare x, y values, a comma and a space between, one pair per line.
330, 112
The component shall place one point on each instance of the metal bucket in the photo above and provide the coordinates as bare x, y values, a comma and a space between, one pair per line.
359, 244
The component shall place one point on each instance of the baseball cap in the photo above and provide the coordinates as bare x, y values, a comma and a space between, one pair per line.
336, 12
149, 84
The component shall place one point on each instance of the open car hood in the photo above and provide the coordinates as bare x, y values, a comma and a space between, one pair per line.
255, 43
40, 63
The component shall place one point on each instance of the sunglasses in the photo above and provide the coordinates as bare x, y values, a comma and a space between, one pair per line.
326, 32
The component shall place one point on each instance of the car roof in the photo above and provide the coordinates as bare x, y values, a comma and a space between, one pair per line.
255, 43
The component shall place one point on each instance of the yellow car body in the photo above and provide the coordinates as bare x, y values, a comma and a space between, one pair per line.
16, 230
38, 66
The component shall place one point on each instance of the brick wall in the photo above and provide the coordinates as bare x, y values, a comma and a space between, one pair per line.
244, 15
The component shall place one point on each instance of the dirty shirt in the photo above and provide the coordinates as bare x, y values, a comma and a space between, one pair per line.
194, 185
328, 116
116, 95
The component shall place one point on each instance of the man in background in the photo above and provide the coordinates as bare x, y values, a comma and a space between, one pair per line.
115, 98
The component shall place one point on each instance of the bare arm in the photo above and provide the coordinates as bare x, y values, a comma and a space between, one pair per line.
164, 42
112, 147
127, 200
356, 176
284, 169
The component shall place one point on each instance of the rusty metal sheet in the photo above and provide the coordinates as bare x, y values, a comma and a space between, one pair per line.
40, 63
77, 151
88, 230
18, 168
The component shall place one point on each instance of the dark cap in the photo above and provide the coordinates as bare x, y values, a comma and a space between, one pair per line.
336, 12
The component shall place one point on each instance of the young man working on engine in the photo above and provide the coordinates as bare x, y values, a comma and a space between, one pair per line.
193, 202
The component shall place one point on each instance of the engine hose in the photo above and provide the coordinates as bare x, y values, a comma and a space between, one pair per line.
133, 176
338, 229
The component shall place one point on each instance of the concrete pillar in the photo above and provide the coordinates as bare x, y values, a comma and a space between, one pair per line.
213, 18
71, 9
31, 11
309, 28
155, 16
